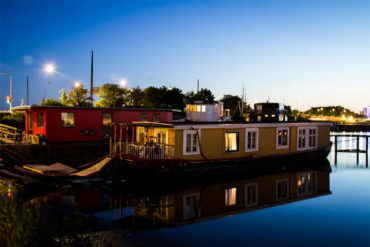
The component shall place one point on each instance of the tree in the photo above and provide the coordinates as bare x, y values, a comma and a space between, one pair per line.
76, 97
205, 95
154, 97
16, 119
50, 101
111, 96
174, 98
135, 97
232, 102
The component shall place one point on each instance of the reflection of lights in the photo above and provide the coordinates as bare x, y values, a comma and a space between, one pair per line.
49, 68
9, 190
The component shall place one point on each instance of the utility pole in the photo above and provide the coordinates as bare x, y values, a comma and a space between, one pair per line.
28, 93
197, 85
11, 96
92, 77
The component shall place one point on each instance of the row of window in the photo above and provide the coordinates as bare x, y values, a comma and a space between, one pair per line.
68, 119
197, 108
307, 138
306, 184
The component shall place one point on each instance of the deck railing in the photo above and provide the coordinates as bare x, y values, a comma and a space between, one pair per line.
151, 152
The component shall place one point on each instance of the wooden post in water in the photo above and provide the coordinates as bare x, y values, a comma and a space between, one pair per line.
110, 145
367, 151
335, 149
358, 149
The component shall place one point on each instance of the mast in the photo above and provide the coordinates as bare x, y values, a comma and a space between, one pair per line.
92, 77
28, 92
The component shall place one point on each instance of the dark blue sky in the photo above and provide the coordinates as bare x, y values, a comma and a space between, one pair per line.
299, 52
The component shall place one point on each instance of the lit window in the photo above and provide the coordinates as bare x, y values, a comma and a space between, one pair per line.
282, 138
191, 145
230, 196
251, 140
30, 121
282, 189
198, 108
68, 119
191, 206
40, 120
107, 121
156, 117
203, 108
231, 141
251, 195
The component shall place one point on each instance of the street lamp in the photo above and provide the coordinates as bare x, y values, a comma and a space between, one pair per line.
49, 68
123, 82
11, 99
77, 84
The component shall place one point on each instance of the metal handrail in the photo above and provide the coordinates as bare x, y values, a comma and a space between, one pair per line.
151, 152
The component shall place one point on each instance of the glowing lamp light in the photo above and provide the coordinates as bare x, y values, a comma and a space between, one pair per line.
77, 84
343, 116
123, 82
49, 68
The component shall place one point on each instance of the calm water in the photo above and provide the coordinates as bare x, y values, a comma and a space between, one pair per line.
307, 205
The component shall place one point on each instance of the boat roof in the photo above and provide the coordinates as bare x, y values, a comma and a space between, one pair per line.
30, 107
147, 124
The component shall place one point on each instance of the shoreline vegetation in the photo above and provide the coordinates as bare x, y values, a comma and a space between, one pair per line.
112, 95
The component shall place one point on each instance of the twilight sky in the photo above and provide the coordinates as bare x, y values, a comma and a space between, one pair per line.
299, 52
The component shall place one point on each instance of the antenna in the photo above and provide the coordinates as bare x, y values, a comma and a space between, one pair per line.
242, 107
92, 77
28, 93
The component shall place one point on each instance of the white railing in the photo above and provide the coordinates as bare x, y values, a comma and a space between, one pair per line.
151, 152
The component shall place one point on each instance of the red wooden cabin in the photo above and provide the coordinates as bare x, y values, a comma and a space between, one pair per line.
76, 124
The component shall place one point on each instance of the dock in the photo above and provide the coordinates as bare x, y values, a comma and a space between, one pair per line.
356, 150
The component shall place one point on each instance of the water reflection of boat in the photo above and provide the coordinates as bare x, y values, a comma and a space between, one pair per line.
209, 201
158, 205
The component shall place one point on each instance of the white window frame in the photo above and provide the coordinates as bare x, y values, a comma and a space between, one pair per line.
246, 196
276, 189
246, 139
195, 214
184, 142
307, 136
277, 138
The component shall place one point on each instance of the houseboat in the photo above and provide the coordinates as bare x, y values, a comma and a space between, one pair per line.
195, 142
63, 124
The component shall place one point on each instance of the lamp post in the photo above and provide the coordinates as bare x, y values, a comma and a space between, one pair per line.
11, 99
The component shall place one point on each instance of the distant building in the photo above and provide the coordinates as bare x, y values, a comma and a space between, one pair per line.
365, 111
269, 112
204, 112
